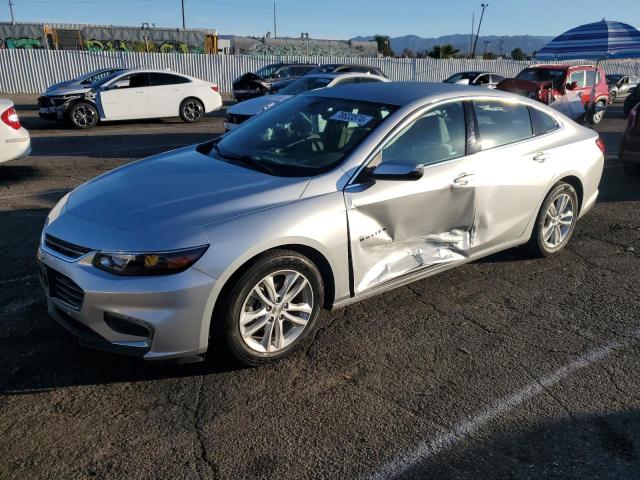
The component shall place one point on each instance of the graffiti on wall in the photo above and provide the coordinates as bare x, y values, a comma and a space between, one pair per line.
22, 43
315, 50
167, 46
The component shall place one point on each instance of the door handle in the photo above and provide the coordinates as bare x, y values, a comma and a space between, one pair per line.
462, 180
541, 157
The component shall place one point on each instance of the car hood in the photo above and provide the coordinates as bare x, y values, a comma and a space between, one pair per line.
255, 105
68, 89
178, 190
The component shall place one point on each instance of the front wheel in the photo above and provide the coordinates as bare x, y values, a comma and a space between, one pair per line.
272, 309
82, 115
191, 110
598, 113
612, 97
556, 221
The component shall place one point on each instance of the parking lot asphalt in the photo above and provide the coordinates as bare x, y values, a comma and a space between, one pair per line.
510, 367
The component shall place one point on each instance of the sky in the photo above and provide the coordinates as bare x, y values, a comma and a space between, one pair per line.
336, 19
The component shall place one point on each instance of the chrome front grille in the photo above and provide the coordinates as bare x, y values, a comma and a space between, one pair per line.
65, 248
64, 289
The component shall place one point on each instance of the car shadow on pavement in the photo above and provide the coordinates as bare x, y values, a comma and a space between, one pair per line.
575, 447
10, 174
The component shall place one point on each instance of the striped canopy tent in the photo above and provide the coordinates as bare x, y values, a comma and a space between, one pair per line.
594, 41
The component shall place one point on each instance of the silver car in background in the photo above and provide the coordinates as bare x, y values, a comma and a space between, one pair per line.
323, 200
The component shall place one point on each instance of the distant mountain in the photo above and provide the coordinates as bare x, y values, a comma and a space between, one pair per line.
528, 43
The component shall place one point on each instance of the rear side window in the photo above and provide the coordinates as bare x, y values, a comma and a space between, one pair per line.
541, 122
158, 79
501, 123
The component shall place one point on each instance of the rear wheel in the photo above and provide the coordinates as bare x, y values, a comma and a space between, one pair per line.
556, 221
272, 309
82, 115
191, 110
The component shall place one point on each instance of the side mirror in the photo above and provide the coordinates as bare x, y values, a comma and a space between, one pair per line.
397, 171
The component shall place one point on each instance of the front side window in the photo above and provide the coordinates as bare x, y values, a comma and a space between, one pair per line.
500, 123
482, 80
304, 136
437, 136
461, 76
577, 77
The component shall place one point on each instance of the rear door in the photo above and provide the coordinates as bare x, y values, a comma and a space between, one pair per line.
513, 169
166, 92
401, 226
125, 98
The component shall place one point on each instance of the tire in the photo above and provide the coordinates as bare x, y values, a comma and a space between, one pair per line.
596, 117
612, 97
191, 110
542, 247
631, 169
245, 335
82, 115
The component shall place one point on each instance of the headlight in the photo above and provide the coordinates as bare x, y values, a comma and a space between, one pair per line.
139, 264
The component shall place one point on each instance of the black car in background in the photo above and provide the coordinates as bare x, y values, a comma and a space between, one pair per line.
276, 75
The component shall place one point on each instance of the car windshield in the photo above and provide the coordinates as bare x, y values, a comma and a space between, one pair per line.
542, 75
611, 79
304, 136
304, 85
102, 80
266, 72
461, 76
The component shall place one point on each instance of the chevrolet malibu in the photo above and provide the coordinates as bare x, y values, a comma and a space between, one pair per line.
326, 199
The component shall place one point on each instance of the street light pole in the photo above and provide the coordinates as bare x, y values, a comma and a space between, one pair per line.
13, 22
475, 44
183, 24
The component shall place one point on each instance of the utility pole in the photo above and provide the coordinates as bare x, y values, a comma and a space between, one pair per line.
475, 44
13, 21
501, 45
473, 29
275, 29
183, 24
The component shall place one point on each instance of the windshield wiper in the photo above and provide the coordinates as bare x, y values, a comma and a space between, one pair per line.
247, 160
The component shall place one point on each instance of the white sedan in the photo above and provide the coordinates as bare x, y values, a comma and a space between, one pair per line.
243, 111
14, 139
140, 94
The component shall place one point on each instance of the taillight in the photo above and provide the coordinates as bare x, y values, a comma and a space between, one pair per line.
600, 144
215, 88
10, 117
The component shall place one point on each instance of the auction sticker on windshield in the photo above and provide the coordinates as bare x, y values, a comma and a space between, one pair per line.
356, 118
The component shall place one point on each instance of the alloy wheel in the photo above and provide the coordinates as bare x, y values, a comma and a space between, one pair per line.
558, 220
276, 311
84, 116
192, 110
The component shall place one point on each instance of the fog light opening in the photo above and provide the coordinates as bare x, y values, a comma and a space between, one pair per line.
127, 326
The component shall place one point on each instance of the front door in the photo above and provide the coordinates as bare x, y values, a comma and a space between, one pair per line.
125, 98
400, 226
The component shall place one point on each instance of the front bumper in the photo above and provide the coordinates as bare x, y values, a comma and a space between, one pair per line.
171, 309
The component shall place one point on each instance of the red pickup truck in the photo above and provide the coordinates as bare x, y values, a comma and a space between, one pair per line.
547, 83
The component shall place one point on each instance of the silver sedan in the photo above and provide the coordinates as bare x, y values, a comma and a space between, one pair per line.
326, 199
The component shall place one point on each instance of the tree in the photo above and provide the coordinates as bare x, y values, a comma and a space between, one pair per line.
384, 45
490, 56
443, 51
518, 54
408, 53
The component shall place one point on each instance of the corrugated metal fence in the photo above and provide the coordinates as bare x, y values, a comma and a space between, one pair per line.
31, 71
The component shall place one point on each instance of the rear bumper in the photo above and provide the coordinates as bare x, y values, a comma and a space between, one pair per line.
630, 157
16, 146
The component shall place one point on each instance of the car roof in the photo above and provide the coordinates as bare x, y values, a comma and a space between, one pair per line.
404, 93
333, 75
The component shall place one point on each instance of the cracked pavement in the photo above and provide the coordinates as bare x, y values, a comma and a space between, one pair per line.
381, 377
